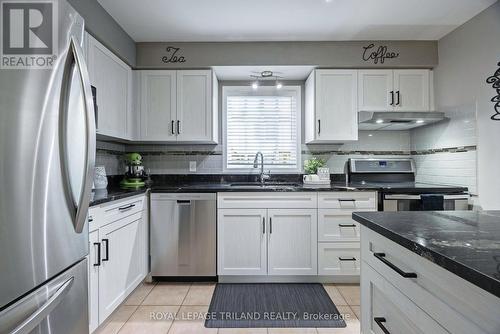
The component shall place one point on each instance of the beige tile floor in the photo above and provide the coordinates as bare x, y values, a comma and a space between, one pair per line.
178, 309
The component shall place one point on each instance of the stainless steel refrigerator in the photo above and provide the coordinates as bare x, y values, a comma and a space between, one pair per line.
47, 153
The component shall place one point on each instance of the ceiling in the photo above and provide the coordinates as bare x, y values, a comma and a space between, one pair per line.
232, 73
290, 20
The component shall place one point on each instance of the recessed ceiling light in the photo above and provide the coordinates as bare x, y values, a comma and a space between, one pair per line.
379, 121
255, 85
279, 85
420, 121
370, 135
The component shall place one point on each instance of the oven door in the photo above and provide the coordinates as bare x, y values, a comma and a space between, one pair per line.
404, 202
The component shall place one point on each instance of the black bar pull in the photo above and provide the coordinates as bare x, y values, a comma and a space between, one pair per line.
90, 219
392, 98
98, 263
270, 225
127, 207
347, 225
319, 126
347, 258
263, 225
347, 200
178, 127
173, 126
107, 249
399, 98
380, 322
381, 257
183, 201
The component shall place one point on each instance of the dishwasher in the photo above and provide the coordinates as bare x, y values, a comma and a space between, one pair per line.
183, 235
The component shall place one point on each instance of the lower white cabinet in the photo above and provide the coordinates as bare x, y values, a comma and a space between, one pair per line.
292, 242
337, 258
118, 255
242, 242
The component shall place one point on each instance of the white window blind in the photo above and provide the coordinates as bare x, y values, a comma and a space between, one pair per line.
265, 123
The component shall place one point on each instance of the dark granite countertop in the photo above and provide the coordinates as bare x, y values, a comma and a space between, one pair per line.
465, 243
113, 193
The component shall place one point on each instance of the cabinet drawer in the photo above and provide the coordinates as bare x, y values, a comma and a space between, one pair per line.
93, 218
122, 208
458, 305
267, 200
386, 310
338, 258
335, 226
348, 200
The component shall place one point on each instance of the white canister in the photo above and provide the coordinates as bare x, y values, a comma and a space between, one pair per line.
100, 179
324, 173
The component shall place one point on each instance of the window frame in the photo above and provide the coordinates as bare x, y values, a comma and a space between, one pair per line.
286, 90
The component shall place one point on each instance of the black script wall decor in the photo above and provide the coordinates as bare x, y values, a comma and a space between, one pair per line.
378, 54
173, 56
494, 80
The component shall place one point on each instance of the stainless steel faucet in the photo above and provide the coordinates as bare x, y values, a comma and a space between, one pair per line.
263, 176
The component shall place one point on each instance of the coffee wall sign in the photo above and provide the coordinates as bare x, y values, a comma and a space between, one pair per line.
494, 80
378, 54
173, 55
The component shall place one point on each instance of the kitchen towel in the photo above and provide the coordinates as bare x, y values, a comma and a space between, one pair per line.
432, 202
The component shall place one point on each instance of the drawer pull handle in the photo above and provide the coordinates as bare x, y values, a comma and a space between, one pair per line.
263, 225
347, 258
347, 225
381, 257
347, 200
90, 220
380, 322
123, 208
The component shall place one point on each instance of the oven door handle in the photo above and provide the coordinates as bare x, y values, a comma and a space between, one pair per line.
417, 197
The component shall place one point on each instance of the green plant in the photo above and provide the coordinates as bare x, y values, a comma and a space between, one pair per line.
311, 166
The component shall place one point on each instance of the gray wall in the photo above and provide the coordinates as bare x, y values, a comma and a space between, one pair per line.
321, 54
106, 30
467, 56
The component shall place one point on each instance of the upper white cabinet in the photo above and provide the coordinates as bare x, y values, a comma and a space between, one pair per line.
394, 90
178, 106
331, 106
113, 81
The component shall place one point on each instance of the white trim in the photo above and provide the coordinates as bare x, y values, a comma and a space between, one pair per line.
292, 90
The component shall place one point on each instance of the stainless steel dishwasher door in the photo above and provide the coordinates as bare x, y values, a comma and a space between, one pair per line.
183, 235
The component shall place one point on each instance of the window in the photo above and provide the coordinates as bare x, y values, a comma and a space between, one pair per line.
265, 120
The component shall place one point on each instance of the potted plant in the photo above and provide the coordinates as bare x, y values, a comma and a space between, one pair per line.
311, 166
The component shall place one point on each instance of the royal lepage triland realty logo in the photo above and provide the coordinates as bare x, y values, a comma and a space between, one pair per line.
29, 34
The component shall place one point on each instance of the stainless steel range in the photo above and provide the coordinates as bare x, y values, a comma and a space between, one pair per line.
398, 191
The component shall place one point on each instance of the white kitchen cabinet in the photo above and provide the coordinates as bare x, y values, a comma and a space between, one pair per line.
94, 263
158, 106
293, 242
118, 255
113, 81
395, 90
178, 106
331, 106
374, 89
412, 89
242, 242
122, 262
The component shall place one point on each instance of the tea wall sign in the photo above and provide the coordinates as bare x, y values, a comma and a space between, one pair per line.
173, 55
378, 54
494, 80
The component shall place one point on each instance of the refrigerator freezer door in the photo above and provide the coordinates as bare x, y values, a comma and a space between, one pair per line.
60, 306
47, 149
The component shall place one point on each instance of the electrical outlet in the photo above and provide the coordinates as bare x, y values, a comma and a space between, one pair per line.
192, 166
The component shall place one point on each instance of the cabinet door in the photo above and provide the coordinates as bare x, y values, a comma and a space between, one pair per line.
293, 242
336, 105
194, 105
122, 265
241, 242
94, 264
374, 89
158, 105
112, 79
386, 310
412, 89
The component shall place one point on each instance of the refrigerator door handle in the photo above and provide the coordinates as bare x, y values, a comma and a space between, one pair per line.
80, 206
34, 319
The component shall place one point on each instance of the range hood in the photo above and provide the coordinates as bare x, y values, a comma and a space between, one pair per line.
390, 120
